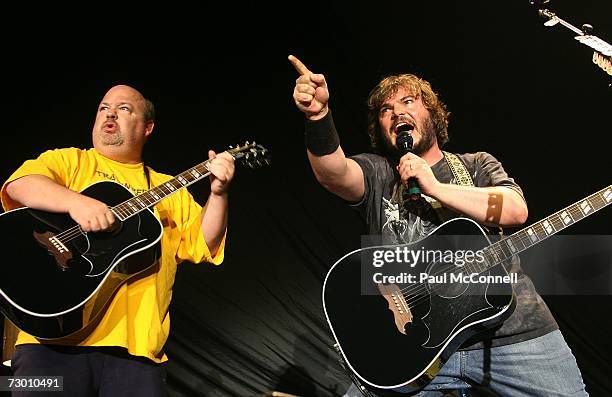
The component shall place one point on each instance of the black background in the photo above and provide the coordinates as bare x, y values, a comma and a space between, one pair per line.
218, 75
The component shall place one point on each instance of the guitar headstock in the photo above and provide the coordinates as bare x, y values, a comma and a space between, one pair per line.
252, 154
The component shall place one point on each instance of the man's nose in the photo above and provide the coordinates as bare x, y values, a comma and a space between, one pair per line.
111, 113
398, 111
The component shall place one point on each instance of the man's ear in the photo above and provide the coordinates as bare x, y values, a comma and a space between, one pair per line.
149, 128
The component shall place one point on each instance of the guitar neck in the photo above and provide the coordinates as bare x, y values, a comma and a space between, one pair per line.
540, 231
149, 198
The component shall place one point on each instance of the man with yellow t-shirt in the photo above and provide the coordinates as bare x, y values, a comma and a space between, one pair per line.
123, 355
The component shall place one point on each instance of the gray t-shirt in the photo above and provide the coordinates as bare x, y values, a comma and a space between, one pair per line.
385, 214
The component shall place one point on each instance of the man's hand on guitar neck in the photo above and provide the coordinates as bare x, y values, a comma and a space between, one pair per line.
214, 220
221, 167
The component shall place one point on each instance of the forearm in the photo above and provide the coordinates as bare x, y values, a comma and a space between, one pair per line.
493, 206
337, 173
330, 168
40, 192
214, 221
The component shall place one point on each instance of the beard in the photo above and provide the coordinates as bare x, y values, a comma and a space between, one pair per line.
114, 139
428, 135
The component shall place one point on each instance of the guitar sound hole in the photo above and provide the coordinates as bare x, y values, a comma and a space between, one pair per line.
440, 281
115, 228
108, 234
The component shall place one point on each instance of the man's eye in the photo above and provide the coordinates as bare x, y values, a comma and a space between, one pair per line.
103, 107
124, 108
384, 110
408, 101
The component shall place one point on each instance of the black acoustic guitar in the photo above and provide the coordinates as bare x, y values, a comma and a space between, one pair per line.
64, 277
398, 312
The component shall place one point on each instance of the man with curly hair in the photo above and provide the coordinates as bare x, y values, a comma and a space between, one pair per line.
524, 356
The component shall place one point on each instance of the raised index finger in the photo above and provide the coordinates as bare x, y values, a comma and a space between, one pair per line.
299, 66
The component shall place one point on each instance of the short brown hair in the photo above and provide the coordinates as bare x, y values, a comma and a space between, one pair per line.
420, 88
149, 110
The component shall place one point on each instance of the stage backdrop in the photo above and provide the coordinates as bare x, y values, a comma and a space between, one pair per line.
526, 93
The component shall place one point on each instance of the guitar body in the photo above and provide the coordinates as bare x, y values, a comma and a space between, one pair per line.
63, 279
388, 355
58, 280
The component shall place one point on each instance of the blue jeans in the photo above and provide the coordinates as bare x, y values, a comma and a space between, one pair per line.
543, 366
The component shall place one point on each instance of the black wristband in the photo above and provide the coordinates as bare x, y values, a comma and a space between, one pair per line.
321, 135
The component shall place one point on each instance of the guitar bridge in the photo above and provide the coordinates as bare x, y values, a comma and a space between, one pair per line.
55, 248
397, 304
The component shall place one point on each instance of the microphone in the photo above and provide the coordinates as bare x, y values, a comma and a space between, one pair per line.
404, 142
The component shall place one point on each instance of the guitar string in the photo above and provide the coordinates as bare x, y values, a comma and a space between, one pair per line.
236, 153
498, 248
418, 299
76, 231
123, 208
468, 267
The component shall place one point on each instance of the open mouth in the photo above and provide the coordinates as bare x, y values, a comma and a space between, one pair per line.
403, 126
109, 126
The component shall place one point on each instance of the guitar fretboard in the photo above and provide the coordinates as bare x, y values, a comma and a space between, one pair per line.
148, 199
539, 231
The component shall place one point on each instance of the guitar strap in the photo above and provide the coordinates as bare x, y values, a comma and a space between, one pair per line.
146, 172
458, 169
463, 177
400, 193
461, 174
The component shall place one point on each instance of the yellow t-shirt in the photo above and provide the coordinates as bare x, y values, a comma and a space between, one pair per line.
137, 318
